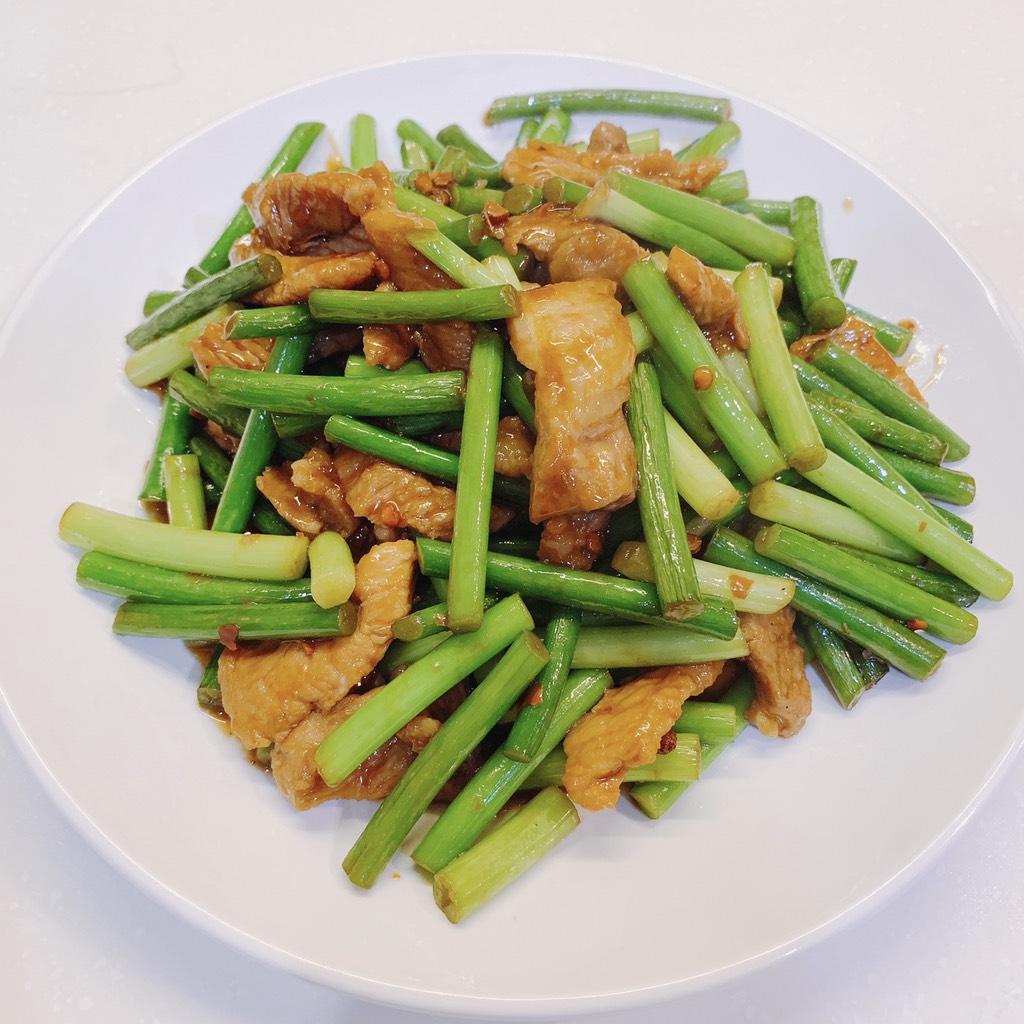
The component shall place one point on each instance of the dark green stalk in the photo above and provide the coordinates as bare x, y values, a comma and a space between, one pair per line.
504, 854
886, 396
845, 572
341, 306
195, 393
324, 396
226, 286
914, 655
208, 692
469, 199
215, 465
456, 135
941, 584
832, 520
683, 342
836, 662
792, 423
176, 426
749, 237
645, 646
269, 322
681, 400
822, 304
589, 591
412, 131
362, 141
715, 142
537, 713
287, 159
769, 211
257, 442
499, 778
415, 455
936, 482
423, 682
475, 484
610, 101
728, 188
880, 429
440, 759
137, 581
660, 513
626, 214
198, 623
926, 532
554, 125
711, 721
847, 444
512, 389
410, 201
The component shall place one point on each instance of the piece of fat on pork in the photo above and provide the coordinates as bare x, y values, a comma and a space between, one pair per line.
310, 214
268, 688
576, 340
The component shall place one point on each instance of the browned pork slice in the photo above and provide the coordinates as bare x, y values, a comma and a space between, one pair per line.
576, 340
782, 692
389, 345
513, 454
859, 339
711, 300
537, 161
294, 766
309, 495
212, 349
310, 214
267, 689
625, 729
301, 274
573, 249
397, 498
575, 541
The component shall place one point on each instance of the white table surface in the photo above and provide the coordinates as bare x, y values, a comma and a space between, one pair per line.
931, 95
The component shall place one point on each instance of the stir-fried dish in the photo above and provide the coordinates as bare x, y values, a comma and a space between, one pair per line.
499, 487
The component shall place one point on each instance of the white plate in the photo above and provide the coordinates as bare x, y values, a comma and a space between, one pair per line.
779, 842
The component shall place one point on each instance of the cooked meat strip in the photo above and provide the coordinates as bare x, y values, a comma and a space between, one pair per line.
782, 692
267, 689
294, 767
860, 340
212, 349
574, 337
711, 300
514, 452
398, 498
573, 249
623, 730
301, 274
309, 495
575, 541
537, 161
389, 345
310, 214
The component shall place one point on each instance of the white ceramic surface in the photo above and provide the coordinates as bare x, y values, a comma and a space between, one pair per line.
778, 842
